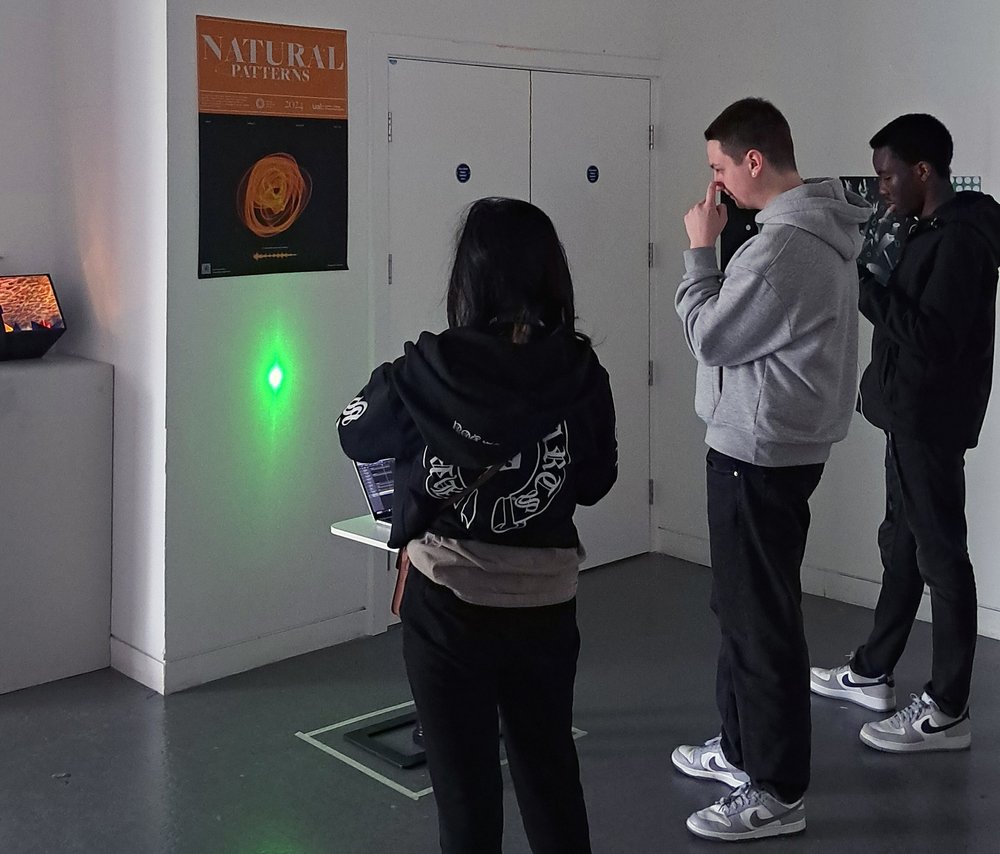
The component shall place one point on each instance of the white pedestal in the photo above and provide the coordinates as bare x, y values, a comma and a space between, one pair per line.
55, 519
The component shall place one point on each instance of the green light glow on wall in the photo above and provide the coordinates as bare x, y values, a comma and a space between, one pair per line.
275, 377
275, 380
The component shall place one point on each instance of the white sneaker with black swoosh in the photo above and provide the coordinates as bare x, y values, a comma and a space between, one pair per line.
921, 726
747, 813
708, 762
876, 693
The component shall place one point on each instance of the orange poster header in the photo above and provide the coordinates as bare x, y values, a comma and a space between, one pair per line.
249, 68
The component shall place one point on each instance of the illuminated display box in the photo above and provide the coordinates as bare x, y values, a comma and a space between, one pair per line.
30, 316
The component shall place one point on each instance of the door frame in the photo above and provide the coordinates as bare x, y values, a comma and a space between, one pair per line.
382, 48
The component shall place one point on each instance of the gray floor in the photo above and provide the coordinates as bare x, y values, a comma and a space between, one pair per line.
99, 764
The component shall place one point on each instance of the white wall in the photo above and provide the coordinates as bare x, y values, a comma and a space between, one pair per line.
111, 241
252, 573
839, 71
29, 167
83, 196
222, 505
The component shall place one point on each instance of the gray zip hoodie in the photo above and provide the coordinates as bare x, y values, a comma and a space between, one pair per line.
776, 335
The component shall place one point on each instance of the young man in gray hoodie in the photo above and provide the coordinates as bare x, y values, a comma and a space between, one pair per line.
776, 340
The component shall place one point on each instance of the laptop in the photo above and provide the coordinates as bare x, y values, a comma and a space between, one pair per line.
376, 483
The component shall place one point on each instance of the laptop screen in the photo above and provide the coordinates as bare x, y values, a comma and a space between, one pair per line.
376, 481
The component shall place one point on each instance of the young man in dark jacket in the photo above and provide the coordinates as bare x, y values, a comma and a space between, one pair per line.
927, 387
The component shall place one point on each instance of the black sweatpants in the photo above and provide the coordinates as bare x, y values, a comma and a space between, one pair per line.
923, 539
465, 662
758, 518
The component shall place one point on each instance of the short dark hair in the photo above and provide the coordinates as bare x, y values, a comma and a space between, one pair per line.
509, 269
918, 137
754, 123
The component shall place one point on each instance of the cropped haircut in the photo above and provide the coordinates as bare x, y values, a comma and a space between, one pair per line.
918, 137
509, 269
754, 123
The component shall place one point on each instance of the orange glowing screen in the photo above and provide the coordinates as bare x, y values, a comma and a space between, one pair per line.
27, 303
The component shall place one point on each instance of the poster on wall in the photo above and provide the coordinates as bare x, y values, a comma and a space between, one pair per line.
272, 137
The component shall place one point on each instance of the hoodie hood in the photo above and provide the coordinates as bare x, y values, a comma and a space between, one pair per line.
976, 210
477, 399
822, 207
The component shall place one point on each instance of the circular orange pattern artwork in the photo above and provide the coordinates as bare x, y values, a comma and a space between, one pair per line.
272, 194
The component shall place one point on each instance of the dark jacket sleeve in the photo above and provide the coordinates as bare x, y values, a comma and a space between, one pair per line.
370, 426
602, 468
936, 323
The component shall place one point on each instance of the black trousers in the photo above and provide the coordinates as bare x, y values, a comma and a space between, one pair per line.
758, 518
465, 663
923, 539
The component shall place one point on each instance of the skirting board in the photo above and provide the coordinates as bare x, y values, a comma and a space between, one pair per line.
820, 582
170, 676
683, 546
137, 665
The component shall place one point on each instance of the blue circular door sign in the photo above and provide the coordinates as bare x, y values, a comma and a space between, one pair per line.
463, 172
593, 173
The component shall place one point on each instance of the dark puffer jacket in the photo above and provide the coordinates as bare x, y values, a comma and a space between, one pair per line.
932, 349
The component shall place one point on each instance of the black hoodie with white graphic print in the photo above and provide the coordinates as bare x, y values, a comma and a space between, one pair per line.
456, 403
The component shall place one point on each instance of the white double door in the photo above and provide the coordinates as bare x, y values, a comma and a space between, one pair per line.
577, 146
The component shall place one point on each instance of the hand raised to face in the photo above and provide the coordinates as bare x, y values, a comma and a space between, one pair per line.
704, 222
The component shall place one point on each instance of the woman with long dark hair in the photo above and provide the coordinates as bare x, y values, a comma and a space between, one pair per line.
500, 427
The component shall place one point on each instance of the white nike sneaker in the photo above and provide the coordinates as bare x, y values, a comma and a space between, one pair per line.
708, 762
748, 813
921, 726
877, 694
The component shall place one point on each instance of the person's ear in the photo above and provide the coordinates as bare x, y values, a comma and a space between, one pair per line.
922, 170
755, 162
